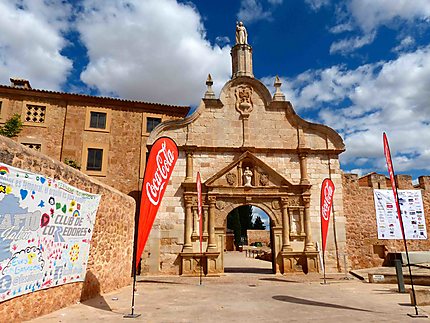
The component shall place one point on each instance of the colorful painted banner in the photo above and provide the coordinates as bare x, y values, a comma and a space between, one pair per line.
387, 219
159, 168
45, 232
327, 192
199, 208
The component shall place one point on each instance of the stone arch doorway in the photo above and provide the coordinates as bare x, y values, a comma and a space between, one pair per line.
286, 204
248, 241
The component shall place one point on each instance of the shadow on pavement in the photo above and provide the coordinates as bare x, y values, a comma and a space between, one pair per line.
248, 270
279, 280
296, 300
405, 304
157, 282
90, 294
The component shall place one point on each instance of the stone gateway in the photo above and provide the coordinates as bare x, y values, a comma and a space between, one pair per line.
250, 148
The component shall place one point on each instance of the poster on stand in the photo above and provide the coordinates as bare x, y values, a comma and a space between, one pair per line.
45, 232
411, 206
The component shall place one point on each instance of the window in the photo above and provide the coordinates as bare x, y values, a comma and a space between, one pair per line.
98, 120
36, 147
94, 160
35, 113
151, 123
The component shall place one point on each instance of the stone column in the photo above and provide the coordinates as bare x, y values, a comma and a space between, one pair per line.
189, 165
188, 247
245, 124
302, 220
309, 246
286, 246
212, 244
304, 180
205, 221
195, 221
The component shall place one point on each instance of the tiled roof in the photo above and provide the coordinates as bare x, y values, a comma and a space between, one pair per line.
177, 109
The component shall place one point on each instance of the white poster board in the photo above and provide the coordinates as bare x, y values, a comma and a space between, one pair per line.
45, 232
411, 206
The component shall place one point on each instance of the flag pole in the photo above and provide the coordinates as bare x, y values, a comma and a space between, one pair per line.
134, 266
399, 213
199, 211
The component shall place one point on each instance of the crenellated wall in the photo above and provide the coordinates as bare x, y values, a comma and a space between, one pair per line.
109, 264
364, 249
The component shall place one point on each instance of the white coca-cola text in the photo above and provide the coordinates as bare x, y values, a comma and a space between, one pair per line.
164, 160
328, 194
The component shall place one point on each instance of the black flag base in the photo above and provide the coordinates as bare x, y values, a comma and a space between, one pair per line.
131, 316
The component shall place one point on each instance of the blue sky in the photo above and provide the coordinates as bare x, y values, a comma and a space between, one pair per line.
359, 66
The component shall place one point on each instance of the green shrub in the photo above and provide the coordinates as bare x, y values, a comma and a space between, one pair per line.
12, 127
72, 163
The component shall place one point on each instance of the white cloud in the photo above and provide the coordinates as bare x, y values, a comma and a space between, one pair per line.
253, 10
31, 40
317, 4
138, 49
405, 44
370, 14
341, 28
367, 16
391, 96
345, 46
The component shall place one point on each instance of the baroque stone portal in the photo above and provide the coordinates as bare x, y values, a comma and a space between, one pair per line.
250, 148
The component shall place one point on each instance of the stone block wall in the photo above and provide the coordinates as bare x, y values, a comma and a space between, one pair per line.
364, 249
259, 236
109, 264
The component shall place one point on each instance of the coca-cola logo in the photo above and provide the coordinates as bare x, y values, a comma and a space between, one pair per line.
328, 194
164, 161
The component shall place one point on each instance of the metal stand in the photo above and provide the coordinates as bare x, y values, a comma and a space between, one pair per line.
132, 315
324, 267
346, 269
201, 268
399, 274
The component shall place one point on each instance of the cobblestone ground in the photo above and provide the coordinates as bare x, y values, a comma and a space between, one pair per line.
247, 293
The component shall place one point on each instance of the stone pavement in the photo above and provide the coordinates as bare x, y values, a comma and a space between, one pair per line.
248, 292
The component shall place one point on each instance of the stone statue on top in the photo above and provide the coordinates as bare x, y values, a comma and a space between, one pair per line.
241, 34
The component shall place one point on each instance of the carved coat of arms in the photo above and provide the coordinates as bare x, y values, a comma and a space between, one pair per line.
231, 178
264, 179
244, 102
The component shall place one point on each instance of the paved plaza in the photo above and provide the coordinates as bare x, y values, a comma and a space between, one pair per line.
248, 292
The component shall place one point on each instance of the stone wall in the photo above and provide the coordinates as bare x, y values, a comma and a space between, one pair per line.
262, 236
363, 247
109, 264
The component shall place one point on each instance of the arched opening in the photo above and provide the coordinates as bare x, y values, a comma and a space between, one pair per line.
248, 245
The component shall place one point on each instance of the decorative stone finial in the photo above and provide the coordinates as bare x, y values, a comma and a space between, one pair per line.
278, 96
209, 92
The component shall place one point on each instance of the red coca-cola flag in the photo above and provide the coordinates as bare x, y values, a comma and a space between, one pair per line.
390, 167
327, 192
159, 168
199, 208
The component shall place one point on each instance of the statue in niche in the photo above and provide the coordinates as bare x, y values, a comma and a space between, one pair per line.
295, 221
247, 176
241, 34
